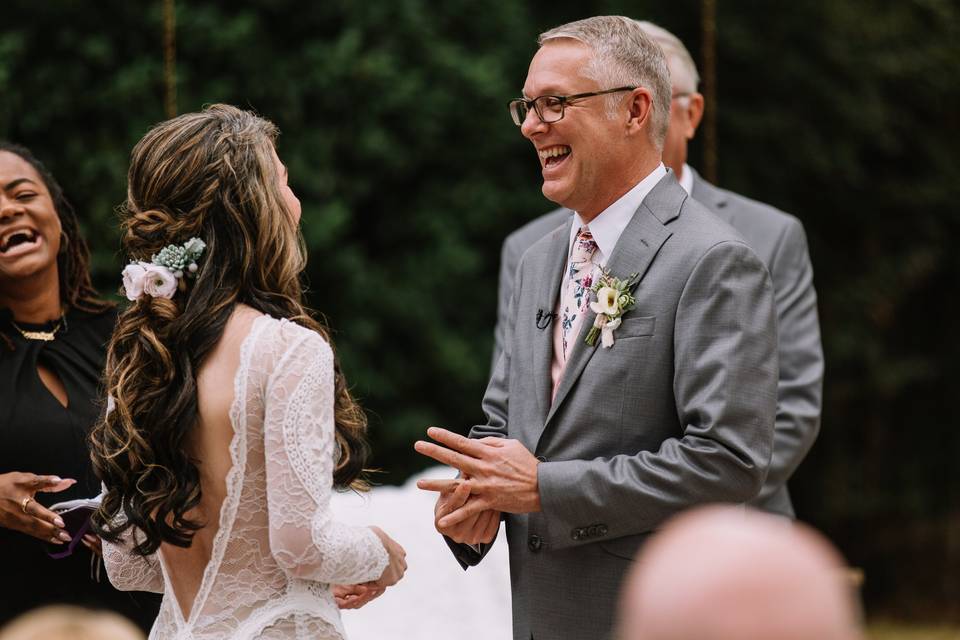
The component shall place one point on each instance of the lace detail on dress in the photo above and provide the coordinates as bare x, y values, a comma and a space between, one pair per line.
128, 571
278, 547
299, 438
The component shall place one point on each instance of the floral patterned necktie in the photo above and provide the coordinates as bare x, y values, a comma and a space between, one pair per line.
576, 296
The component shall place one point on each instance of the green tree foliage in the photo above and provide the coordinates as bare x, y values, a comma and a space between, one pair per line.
410, 172
846, 117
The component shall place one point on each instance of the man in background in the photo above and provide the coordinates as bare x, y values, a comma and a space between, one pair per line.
777, 238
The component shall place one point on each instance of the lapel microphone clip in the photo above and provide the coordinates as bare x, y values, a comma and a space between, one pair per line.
544, 319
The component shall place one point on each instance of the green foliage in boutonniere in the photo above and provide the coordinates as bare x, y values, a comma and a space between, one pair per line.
613, 300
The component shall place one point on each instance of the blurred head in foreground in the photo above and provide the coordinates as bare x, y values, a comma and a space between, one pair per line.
720, 573
70, 623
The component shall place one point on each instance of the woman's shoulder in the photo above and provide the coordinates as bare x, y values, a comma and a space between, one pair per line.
285, 340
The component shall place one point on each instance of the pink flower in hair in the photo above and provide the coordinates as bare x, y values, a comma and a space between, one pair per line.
134, 275
159, 281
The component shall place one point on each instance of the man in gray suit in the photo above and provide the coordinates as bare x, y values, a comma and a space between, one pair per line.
588, 448
776, 237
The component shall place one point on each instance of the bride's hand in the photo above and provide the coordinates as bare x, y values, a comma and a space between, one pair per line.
397, 565
354, 596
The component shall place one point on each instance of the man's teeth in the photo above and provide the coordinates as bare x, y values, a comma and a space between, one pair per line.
553, 152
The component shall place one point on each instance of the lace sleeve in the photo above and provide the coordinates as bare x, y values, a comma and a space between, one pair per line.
128, 571
299, 450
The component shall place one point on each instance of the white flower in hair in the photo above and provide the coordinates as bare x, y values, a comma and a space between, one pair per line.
159, 277
159, 282
133, 277
194, 247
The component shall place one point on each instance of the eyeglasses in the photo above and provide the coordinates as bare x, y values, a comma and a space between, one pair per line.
550, 108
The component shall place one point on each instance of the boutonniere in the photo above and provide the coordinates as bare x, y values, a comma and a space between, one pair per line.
613, 300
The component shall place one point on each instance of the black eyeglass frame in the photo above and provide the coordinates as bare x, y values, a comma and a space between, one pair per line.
564, 101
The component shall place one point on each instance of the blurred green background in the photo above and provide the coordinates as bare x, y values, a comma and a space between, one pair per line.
410, 172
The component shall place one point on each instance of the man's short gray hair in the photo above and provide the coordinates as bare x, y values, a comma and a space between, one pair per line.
623, 55
683, 70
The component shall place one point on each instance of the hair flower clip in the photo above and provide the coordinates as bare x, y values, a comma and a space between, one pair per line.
160, 277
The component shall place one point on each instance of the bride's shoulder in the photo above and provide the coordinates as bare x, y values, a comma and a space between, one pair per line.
287, 339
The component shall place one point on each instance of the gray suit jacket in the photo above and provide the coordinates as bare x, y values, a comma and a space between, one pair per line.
779, 241
678, 412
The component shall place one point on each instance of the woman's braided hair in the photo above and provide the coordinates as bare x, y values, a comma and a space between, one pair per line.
209, 175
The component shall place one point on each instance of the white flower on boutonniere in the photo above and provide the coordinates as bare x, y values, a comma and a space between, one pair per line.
613, 300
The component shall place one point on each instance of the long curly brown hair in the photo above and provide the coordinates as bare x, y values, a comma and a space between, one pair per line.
209, 175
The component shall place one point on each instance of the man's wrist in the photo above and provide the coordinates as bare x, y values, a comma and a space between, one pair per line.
535, 498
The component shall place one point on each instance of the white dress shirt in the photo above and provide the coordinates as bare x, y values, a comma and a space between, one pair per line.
610, 223
686, 179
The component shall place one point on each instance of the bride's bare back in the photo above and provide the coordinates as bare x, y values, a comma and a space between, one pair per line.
262, 564
210, 449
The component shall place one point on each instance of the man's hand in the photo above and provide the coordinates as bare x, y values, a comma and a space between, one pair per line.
500, 473
478, 529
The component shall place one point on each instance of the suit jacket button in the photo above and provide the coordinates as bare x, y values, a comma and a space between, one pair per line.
534, 542
542, 458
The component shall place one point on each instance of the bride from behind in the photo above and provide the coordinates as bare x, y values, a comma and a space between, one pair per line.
229, 422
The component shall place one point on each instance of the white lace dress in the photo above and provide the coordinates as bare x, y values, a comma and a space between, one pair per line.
278, 549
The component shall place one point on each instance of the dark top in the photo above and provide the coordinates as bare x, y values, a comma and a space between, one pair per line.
39, 435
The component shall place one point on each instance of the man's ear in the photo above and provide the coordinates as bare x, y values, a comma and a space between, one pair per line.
639, 107
694, 114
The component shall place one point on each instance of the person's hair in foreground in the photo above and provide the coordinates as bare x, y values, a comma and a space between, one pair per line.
61, 622
209, 175
722, 573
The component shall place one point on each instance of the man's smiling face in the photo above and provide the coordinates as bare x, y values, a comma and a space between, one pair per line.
583, 154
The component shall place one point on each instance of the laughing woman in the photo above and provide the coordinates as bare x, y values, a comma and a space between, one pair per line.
53, 333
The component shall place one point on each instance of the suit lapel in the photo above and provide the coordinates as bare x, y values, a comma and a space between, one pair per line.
553, 260
635, 251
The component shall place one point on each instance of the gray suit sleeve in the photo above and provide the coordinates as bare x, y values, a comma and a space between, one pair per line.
725, 377
801, 359
495, 398
494, 403
509, 257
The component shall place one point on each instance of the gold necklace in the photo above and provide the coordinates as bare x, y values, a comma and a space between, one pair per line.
46, 336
